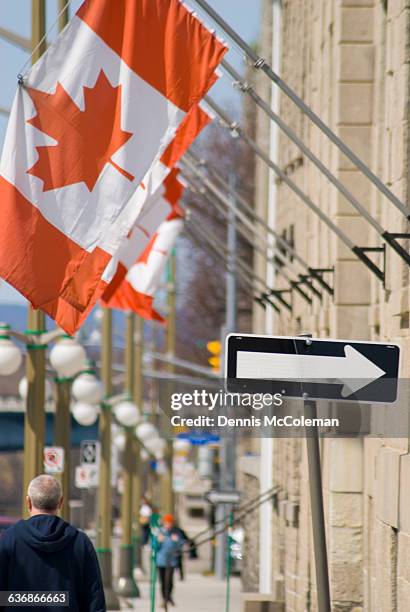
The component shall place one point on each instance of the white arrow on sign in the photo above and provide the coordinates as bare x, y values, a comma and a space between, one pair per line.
354, 370
222, 497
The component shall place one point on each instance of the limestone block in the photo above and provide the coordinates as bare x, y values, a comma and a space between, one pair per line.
345, 561
344, 325
372, 447
346, 465
352, 284
354, 103
358, 138
401, 39
345, 510
403, 595
387, 489
355, 3
404, 507
257, 602
356, 62
356, 24
403, 561
357, 229
358, 185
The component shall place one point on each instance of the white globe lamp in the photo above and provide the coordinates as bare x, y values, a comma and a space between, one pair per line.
146, 431
67, 357
87, 387
85, 414
127, 413
119, 441
156, 446
10, 355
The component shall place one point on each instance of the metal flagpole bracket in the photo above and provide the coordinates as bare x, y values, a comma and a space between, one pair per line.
317, 273
361, 254
305, 280
296, 286
391, 239
278, 294
265, 300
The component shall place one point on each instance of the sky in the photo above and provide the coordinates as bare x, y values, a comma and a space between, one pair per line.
243, 16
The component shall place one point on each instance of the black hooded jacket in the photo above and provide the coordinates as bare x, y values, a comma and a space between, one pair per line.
45, 553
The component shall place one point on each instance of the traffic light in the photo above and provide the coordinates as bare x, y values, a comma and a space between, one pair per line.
215, 347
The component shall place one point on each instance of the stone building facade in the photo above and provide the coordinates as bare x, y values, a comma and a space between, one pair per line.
349, 60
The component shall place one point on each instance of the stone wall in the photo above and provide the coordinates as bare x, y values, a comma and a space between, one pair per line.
349, 60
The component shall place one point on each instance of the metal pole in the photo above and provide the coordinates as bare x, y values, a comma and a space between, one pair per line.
138, 393
63, 12
228, 444
316, 505
104, 526
233, 126
62, 419
318, 515
190, 157
34, 418
261, 64
301, 145
127, 586
62, 437
167, 500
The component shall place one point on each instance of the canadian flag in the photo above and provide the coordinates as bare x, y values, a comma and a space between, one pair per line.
143, 279
154, 199
90, 125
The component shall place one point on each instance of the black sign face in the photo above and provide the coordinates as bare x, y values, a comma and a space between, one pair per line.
89, 452
338, 370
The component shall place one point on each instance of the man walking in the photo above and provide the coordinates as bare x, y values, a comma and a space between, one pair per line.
45, 553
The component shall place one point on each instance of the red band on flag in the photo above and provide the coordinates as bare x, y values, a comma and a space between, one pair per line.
151, 37
44, 259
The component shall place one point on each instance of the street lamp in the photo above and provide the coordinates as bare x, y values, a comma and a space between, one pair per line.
67, 357
127, 413
10, 355
157, 447
145, 432
85, 414
87, 387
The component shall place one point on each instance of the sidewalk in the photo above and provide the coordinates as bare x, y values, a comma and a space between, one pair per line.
197, 593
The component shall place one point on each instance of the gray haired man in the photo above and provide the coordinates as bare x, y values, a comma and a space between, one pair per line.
45, 553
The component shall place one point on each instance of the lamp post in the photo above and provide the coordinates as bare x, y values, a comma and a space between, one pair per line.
103, 549
138, 394
67, 358
167, 501
34, 418
127, 586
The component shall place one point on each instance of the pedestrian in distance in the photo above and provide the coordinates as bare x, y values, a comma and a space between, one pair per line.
145, 520
45, 553
170, 543
180, 552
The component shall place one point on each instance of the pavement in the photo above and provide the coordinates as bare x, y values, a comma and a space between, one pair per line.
197, 593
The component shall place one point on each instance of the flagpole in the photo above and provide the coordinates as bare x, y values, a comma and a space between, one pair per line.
34, 417
103, 549
127, 587
62, 418
167, 501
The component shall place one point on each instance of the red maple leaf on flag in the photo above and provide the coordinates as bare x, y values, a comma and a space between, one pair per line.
86, 139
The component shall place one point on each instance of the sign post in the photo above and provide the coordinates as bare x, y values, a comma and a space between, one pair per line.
309, 369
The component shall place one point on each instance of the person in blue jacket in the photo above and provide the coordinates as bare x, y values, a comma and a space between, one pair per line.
170, 544
45, 553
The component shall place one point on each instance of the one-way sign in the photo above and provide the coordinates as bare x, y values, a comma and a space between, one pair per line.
222, 497
321, 369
